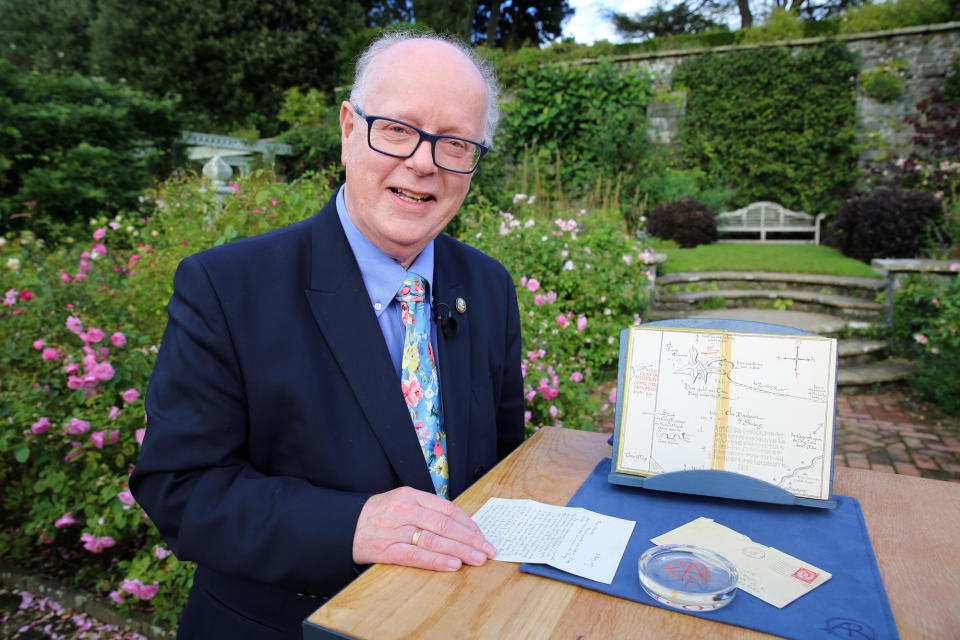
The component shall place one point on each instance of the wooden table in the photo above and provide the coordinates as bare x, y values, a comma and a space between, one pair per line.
914, 525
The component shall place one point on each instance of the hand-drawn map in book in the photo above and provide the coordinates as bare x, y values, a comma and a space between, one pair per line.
756, 404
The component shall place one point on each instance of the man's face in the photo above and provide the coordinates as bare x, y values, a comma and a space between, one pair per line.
402, 204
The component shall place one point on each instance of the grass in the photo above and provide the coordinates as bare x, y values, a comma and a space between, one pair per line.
771, 258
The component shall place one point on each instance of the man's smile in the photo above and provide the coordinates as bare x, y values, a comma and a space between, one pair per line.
410, 196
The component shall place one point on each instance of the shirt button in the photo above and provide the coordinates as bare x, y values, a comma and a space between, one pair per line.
377, 306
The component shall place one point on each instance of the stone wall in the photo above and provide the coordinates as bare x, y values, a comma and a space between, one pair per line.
927, 50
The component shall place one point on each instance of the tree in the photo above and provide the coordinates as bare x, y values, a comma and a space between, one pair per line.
512, 23
229, 60
660, 21
47, 34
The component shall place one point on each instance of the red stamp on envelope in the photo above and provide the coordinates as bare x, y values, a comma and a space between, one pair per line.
805, 574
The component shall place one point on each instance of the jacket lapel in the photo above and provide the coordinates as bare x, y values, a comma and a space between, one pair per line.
342, 309
454, 355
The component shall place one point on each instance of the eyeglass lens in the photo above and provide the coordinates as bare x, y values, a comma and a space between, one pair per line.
397, 139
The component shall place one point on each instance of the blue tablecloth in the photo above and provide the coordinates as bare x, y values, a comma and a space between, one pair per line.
852, 604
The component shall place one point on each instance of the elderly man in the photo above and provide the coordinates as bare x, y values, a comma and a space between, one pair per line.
306, 417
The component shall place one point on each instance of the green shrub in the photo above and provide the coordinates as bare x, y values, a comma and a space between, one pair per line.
72, 148
579, 282
775, 125
894, 14
687, 222
80, 323
780, 25
887, 223
926, 329
885, 82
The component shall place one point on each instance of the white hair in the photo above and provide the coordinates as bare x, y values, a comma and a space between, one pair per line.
362, 75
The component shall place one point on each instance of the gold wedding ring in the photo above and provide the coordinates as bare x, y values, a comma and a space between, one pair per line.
416, 536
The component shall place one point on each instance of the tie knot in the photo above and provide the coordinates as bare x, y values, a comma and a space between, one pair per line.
412, 289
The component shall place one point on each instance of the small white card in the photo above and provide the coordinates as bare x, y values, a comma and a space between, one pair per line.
765, 572
574, 540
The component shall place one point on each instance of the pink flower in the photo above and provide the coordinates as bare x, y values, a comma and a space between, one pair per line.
527, 416
99, 233
40, 425
73, 324
77, 427
103, 371
118, 339
98, 249
581, 323
920, 338
66, 520
94, 335
130, 395
114, 435
412, 392
935, 351
138, 434
73, 367
50, 354
114, 413
161, 553
955, 266
73, 453
73, 382
66, 277
612, 398
116, 597
562, 321
273, 202
97, 438
136, 588
26, 295
38, 344
126, 498
540, 300
533, 284
551, 297
576, 376
553, 411
96, 545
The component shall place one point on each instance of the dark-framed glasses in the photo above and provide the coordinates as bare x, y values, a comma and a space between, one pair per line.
401, 140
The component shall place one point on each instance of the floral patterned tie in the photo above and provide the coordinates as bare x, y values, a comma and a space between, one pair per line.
418, 380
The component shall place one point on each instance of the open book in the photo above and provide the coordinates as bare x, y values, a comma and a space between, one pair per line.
756, 404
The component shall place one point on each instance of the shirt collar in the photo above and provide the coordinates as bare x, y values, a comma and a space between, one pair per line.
382, 275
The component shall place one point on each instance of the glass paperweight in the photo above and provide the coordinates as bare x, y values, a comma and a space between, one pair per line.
688, 577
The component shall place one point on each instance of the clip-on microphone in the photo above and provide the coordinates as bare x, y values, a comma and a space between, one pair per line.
448, 324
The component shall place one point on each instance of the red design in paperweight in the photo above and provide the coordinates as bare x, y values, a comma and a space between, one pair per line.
687, 569
805, 574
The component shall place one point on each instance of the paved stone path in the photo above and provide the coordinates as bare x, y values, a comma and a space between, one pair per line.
892, 431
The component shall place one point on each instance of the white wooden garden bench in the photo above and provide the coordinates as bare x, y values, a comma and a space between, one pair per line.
771, 221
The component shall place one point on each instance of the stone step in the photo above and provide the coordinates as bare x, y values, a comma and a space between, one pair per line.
866, 288
845, 306
890, 370
855, 351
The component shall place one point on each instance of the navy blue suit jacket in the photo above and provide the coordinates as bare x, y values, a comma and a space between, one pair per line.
274, 412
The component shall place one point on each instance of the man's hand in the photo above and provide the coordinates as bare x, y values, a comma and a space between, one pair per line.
449, 538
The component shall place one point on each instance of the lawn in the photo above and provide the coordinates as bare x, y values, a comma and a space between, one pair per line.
773, 258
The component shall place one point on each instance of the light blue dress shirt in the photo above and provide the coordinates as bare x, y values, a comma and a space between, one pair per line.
382, 277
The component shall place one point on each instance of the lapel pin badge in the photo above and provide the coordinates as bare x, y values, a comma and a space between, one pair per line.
461, 305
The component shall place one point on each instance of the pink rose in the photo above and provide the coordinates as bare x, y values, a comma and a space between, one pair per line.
50, 354
114, 436
527, 416
66, 520
94, 335
38, 344
551, 297
98, 249
533, 284
97, 438
71, 368
103, 371
540, 300
116, 597
96, 545
25, 295
40, 425
73, 324
73, 382
562, 321
138, 434
66, 277
126, 497
612, 398
118, 339
77, 427
581, 323
412, 392
99, 233
161, 553
114, 413
576, 376
130, 395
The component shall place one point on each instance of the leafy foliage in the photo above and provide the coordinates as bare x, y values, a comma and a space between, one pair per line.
659, 21
780, 25
687, 222
72, 148
926, 329
887, 224
775, 125
897, 13
582, 120
885, 82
